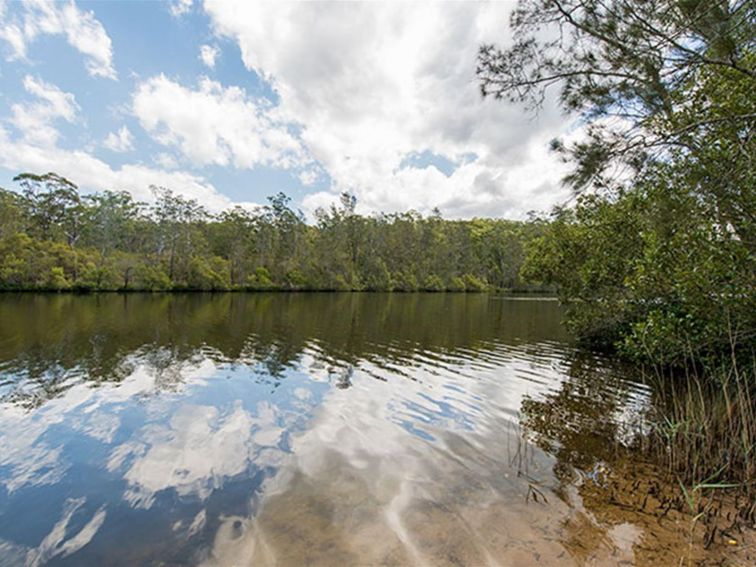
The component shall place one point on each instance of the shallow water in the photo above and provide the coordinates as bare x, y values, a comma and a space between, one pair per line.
304, 429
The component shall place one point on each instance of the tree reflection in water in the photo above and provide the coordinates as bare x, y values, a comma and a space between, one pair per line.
50, 341
304, 428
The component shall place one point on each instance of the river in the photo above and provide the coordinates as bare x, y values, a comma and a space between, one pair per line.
307, 429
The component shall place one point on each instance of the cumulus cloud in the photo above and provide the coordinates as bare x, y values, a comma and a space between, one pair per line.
218, 125
121, 141
26, 22
373, 84
34, 119
166, 161
208, 55
92, 173
180, 7
380, 100
35, 148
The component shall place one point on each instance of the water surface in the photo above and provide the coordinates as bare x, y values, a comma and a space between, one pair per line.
303, 429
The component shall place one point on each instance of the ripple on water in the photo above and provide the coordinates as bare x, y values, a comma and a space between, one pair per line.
302, 429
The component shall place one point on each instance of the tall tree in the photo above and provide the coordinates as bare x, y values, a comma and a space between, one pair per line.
176, 219
54, 204
663, 259
632, 70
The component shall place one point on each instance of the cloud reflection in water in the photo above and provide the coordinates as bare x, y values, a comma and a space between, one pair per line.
322, 428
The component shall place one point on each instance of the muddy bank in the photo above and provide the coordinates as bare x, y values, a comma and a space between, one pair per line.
702, 527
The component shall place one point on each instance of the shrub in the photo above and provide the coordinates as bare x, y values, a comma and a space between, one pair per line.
56, 279
434, 283
152, 278
457, 284
474, 284
260, 279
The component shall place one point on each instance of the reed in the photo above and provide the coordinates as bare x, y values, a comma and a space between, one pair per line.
704, 434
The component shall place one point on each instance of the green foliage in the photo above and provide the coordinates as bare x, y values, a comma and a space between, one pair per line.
404, 280
56, 279
295, 279
12, 210
208, 274
589, 254
151, 278
376, 276
457, 284
651, 272
633, 71
659, 263
473, 283
260, 279
433, 283
90, 277
108, 241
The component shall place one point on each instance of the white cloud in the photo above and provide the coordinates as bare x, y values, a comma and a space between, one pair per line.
166, 161
310, 175
12, 33
44, 17
208, 55
180, 7
34, 120
91, 173
196, 451
35, 149
216, 125
121, 141
56, 543
58, 103
373, 83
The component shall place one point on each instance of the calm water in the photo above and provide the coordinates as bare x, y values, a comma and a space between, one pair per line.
300, 429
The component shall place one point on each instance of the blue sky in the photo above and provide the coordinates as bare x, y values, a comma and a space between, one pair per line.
231, 102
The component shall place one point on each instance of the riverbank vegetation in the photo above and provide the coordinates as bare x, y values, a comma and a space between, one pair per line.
54, 238
656, 256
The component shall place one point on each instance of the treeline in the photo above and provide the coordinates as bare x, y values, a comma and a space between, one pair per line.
54, 238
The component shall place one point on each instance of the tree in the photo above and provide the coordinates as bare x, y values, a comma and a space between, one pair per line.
106, 241
176, 218
661, 261
12, 213
112, 220
53, 201
630, 69
233, 237
283, 236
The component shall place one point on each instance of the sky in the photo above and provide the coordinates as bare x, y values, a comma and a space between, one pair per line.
230, 102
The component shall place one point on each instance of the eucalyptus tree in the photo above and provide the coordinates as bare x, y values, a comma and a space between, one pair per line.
177, 219
12, 213
233, 236
53, 204
341, 233
283, 241
51, 238
112, 222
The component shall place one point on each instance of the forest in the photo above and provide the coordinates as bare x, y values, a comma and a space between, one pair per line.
54, 238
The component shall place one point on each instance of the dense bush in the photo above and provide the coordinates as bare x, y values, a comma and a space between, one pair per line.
652, 272
54, 238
